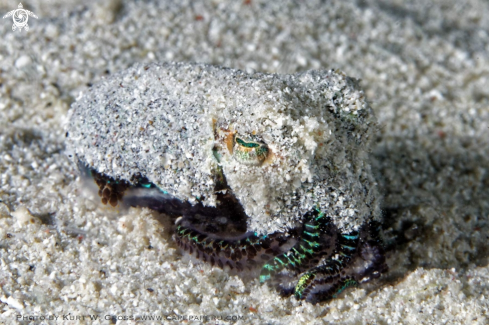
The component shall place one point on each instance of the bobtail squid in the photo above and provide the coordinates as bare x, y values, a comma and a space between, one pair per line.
263, 174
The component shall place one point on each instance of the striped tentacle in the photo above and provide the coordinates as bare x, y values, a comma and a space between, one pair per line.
306, 250
248, 251
329, 287
325, 281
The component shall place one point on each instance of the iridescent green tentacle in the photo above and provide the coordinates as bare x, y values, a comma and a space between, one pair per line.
236, 253
308, 246
329, 273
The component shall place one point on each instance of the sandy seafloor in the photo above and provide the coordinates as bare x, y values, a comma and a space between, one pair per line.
424, 66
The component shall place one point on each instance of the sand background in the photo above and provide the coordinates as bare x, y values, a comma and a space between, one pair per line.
424, 66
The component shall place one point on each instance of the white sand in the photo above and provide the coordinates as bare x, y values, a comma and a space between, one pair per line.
424, 66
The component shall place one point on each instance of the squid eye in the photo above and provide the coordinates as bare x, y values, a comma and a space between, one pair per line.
249, 151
